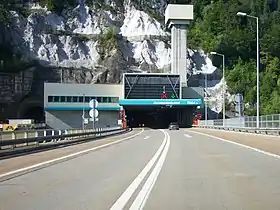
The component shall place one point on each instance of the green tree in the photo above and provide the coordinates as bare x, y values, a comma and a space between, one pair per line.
217, 28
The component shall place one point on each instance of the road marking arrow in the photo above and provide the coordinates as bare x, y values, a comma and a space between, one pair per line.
188, 136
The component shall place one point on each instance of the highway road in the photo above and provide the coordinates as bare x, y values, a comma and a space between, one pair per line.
157, 169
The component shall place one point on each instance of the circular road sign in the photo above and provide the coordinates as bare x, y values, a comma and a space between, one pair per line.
92, 102
93, 113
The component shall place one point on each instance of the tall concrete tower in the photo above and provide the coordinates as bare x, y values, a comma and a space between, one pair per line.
177, 19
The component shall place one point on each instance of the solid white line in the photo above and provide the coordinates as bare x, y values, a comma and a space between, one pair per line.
241, 145
147, 137
65, 157
186, 135
143, 195
123, 199
245, 133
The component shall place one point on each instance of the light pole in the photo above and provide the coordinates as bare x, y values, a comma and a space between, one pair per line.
205, 102
205, 98
83, 116
258, 65
224, 100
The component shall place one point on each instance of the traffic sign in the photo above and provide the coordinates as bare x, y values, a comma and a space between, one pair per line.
93, 103
163, 96
239, 98
93, 113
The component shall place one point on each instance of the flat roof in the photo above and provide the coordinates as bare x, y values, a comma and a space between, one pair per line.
181, 12
158, 102
104, 84
151, 74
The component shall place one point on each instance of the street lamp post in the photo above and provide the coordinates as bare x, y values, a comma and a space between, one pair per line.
258, 65
205, 102
224, 100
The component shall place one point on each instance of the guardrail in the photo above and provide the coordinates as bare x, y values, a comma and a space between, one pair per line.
20, 134
266, 121
267, 131
55, 138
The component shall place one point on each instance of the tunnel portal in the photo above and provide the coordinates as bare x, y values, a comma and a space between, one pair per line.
158, 117
34, 112
155, 100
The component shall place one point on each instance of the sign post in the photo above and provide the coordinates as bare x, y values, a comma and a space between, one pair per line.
93, 113
239, 104
83, 116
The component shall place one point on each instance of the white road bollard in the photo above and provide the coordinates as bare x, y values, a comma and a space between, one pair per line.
45, 134
36, 135
65, 133
14, 137
59, 133
70, 132
26, 136
52, 135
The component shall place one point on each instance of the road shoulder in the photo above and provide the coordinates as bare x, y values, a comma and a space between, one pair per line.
267, 143
17, 163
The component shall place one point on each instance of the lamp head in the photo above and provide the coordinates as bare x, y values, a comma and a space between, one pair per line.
241, 14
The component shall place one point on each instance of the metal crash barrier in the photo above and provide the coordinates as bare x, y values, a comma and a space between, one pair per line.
28, 140
267, 131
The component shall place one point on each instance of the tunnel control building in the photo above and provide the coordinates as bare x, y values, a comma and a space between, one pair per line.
65, 104
154, 100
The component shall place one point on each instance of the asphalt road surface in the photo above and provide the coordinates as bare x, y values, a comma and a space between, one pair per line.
158, 169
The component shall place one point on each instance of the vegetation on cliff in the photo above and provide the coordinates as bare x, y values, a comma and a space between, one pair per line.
217, 28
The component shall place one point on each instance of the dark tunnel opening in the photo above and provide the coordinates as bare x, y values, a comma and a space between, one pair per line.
158, 117
34, 112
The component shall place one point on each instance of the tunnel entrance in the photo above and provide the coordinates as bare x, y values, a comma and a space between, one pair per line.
155, 100
34, 112
158, 117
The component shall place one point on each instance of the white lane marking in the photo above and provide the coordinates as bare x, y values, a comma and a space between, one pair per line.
147, 137
123, 199
66, 157
143, 195
245, 133
241, 145
188, 136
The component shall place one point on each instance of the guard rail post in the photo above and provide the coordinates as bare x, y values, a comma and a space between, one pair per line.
66, 132
59, 133
44, 134
36, 136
